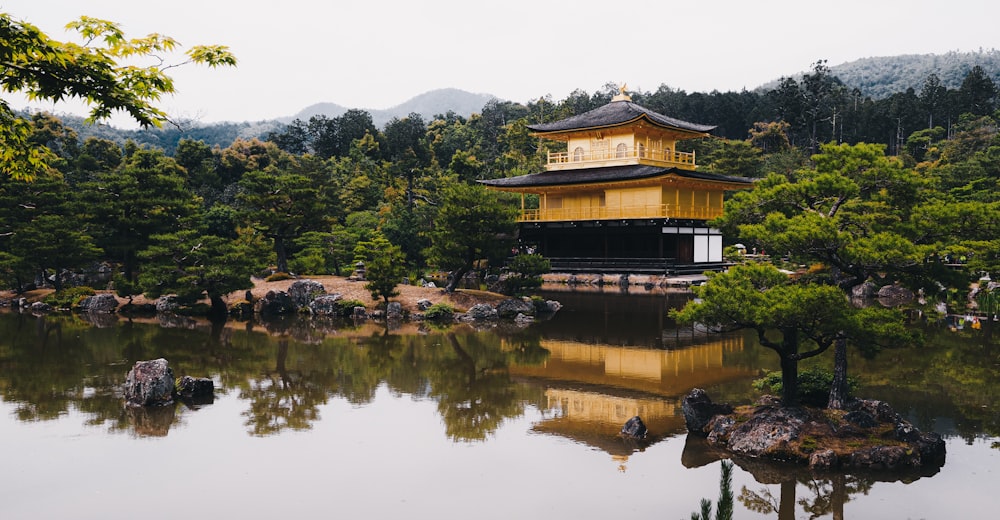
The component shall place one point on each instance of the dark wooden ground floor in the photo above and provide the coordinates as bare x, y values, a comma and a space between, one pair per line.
648, 246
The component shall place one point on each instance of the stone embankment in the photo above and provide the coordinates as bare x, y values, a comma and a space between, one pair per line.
311, 297
329, 296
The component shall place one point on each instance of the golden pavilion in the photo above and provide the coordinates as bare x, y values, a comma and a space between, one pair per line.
622, 198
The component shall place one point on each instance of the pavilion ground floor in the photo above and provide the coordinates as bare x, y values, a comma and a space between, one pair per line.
649, 246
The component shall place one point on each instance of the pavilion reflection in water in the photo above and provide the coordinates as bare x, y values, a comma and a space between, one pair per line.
592, 389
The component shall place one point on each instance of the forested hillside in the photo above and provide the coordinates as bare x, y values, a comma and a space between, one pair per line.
880, 77
167, 137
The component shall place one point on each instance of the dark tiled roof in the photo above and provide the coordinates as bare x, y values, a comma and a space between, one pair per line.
613, 114
604, 174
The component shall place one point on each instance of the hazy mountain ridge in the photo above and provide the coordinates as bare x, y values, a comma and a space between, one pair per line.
428, 105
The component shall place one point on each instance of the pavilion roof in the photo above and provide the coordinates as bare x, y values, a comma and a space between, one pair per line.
617, 113
606, 174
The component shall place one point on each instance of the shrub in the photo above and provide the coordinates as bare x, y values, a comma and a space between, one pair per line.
68, 298
347, 306
439, 312
526, 273
814, 385
989, 302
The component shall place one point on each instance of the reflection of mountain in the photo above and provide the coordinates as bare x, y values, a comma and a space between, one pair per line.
594, 388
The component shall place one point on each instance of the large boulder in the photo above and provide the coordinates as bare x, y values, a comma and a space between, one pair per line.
894, 295
150, 383
549, 307
276, 303
167, 303
865, 290
699, 410
511, 307
770, 431
40, 307
394, 311
482, 312
326, 305
98, 303
303, 292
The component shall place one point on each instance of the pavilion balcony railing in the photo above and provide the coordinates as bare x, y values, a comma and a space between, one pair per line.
680, 211
666, 157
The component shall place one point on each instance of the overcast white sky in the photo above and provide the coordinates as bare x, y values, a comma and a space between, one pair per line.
379, 53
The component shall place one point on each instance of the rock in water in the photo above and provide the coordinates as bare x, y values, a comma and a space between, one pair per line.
150, 383
199, 389
699, 409
634, 428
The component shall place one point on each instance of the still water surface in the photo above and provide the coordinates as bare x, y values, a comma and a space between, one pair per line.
324, 420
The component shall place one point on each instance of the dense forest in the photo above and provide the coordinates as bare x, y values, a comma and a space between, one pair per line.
876, 88
197, 218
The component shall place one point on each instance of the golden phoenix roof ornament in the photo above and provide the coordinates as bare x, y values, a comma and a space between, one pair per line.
622, 96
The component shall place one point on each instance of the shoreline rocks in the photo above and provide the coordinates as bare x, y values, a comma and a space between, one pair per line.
869, 435
310, 297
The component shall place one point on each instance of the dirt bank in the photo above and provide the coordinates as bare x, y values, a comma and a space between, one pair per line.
408, 297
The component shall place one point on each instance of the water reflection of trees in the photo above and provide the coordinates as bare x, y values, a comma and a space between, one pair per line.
283, 398
825, 496
816, 494
51, 365
473, 389
954, 375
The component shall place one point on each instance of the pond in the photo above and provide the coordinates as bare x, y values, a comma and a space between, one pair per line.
332, 419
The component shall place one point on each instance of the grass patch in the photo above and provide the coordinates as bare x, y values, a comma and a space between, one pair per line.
277, 277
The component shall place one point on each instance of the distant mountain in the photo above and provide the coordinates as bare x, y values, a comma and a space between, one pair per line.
428, 104
882, 76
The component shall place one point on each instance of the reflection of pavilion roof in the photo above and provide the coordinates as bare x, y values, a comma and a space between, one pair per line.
594, 389
595, 419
